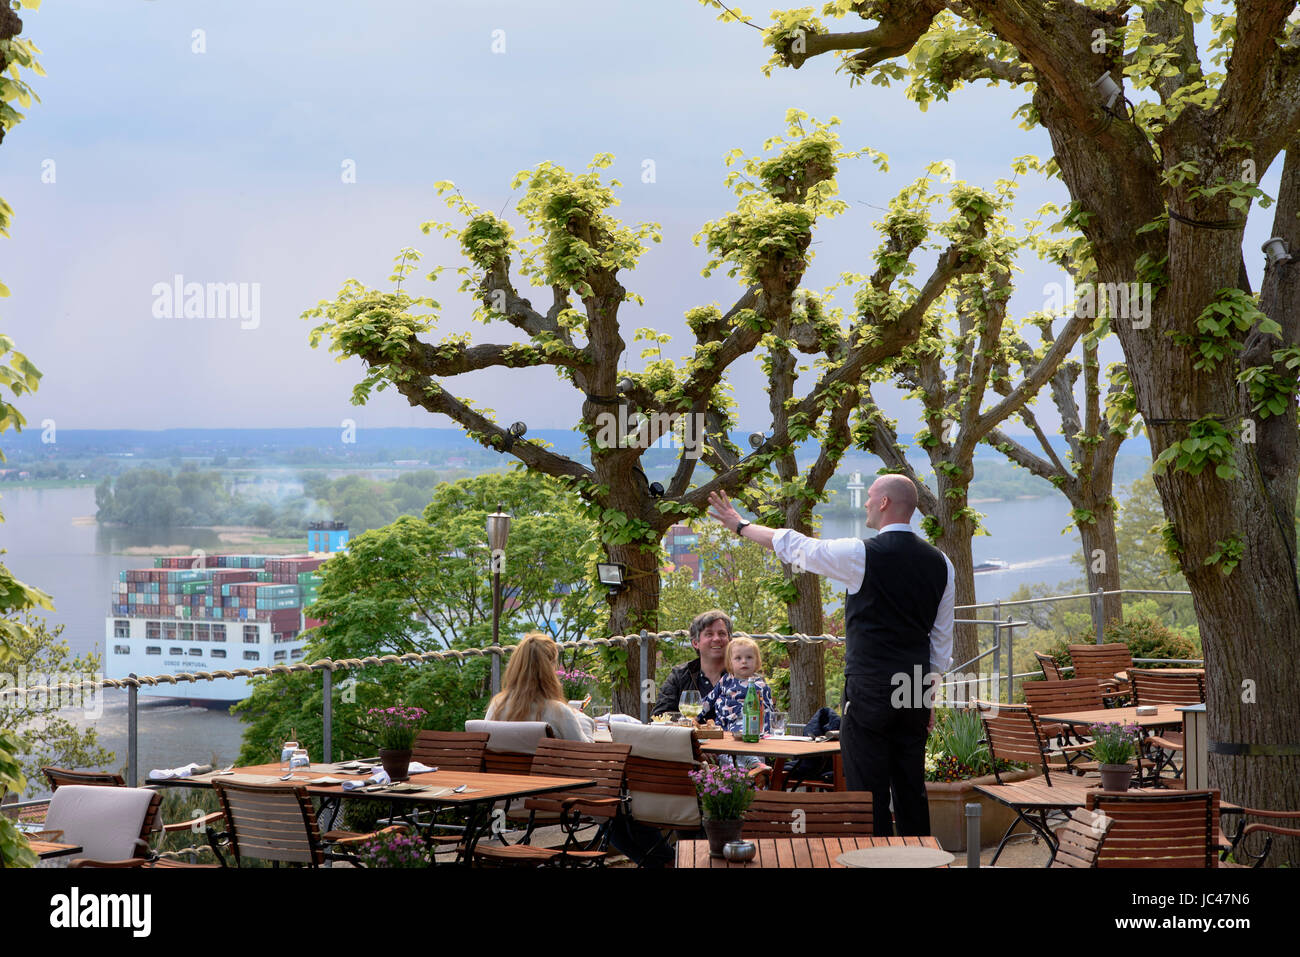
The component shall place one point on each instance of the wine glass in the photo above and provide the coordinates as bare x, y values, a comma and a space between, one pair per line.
689, 704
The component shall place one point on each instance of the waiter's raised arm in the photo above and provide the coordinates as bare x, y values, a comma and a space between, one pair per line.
720, 508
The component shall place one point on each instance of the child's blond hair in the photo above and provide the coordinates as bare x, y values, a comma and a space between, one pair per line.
746, 643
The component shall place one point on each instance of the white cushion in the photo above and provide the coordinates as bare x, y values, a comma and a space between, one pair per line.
105, 821
517, 736
660, 743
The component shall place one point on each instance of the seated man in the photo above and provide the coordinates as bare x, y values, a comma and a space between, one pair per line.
710, 635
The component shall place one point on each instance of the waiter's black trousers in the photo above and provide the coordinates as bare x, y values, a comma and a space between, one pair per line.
883, 750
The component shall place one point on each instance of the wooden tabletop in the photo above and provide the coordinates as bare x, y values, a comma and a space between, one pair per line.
795, 851
1167, 715
1067, 792
768, 747
482, 786
47, 849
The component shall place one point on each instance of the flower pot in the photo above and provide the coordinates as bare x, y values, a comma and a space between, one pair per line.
948, 802
396, 763
720, 832
1116, 777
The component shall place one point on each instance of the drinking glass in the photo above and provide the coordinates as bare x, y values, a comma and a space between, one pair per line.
689, 704
779, 722
299, 759
286, 753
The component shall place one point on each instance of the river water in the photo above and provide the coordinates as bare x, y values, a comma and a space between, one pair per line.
53, 544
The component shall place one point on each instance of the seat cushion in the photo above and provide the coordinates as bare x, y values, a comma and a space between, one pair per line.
520, 737
106, 822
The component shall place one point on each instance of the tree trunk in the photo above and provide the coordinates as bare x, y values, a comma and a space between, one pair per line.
1100, 557
632, 608
807, 661
955, 542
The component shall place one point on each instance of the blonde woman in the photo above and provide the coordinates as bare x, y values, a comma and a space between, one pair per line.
531, 690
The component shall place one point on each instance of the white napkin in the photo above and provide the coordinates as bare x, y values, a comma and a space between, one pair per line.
416, 767
166, 774
379, 777
626, 718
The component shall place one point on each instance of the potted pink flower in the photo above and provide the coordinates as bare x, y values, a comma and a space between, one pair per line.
396, 729
725, 794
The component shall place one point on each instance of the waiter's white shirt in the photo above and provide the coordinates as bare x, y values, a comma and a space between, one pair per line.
845, 560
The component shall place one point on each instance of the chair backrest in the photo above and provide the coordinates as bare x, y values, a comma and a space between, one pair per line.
511, 744
58, 777
1080, 839
1100, 661
560, 758
272, 823
1072, 694
110, 823
1051, 670
1167, 686
809, 814
1013, 734
658, 773
1178, 829
451, 750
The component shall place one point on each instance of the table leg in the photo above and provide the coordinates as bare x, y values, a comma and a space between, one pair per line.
778, 775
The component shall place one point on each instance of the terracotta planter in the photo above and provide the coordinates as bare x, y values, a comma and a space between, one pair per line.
396, 763
720, 832
1116, 777
948, 809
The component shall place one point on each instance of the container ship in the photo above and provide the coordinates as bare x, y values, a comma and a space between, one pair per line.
215, 613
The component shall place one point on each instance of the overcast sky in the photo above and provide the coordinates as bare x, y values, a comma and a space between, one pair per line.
219, 156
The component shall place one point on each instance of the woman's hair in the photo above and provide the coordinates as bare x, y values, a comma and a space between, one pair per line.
749, 643
530, 680
704, 619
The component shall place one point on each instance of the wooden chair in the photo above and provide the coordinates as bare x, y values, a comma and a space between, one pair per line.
1012, 733
511, 744
809, 813
451, 750
57, 777
661, 795
278, 824
1072, 694
1179, 829
1051, 670
1080, 838
1236, 846
1108, 664
1154, 686
112, 824
600, 802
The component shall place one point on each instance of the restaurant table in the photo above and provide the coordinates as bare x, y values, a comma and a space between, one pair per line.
779, 749
484, 789
795, 852
1166, 716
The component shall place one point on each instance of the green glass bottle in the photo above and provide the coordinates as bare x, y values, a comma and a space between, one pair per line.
752, 711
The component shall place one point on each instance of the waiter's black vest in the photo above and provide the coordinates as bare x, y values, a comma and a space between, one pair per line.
889, 618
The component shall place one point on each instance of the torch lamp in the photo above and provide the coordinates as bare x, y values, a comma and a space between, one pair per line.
498, 531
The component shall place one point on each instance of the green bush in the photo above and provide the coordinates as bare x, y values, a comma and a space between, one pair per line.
1146, 637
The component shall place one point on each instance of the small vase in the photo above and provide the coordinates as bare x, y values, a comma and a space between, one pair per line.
396, 763
1116, 777
720, 832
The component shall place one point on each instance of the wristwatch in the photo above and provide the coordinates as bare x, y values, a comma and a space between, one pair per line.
741, 527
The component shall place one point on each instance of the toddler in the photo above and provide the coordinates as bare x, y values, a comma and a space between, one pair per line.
726, 702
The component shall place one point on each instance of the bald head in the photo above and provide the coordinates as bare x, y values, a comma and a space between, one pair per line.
890, 500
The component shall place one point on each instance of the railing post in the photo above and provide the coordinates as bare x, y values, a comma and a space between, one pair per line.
496, 671
645, 675
973, 834
327, 713
1011, 661
132, 732
1099, 614
997, 661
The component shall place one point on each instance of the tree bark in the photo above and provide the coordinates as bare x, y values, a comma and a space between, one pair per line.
632, 608
954, 541
807, 661
1100, 549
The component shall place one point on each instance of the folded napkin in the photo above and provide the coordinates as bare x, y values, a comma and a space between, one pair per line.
627, 718
379, 777
416, 767
189, 770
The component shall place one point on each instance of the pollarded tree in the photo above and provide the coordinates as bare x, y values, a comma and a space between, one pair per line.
575, 249
887, 308
1161, 190
959, 371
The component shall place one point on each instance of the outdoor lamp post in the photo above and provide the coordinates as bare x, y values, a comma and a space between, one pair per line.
498, 531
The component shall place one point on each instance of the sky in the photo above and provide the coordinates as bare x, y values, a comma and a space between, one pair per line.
290, 146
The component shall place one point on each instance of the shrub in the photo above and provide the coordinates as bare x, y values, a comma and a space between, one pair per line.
1146, 638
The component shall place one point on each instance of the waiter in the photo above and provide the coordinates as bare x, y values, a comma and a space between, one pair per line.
898, 616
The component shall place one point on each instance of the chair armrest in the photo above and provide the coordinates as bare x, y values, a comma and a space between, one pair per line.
190, 825
569, 803
1256, 812
90, 862
358, 838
